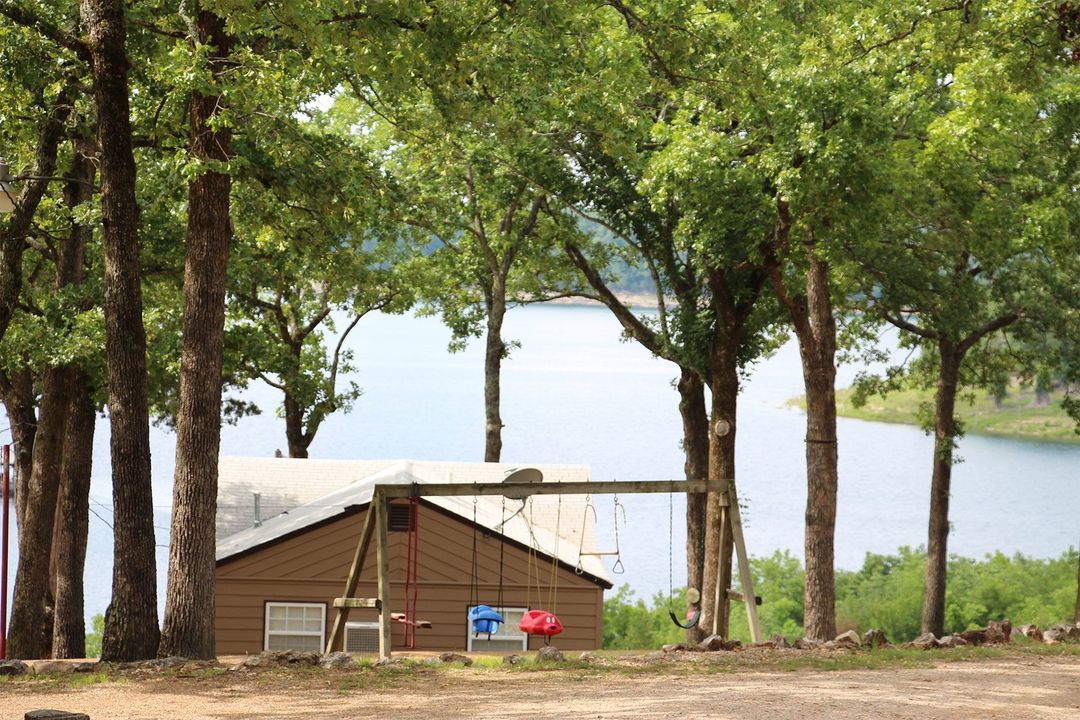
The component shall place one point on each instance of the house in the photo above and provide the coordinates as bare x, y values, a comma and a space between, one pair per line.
277, 576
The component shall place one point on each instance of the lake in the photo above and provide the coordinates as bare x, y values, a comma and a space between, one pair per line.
575, 393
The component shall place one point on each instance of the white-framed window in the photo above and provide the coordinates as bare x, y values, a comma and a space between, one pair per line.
295, 626
508, 639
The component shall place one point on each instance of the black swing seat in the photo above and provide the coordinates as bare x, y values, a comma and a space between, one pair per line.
691, 622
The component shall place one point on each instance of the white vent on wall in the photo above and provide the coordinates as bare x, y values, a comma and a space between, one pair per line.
362, 637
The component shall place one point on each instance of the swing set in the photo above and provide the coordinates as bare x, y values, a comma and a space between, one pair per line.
521, 485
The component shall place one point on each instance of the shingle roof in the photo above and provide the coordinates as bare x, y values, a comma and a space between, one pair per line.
310, 491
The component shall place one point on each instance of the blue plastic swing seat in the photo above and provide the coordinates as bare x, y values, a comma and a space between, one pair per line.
485, 620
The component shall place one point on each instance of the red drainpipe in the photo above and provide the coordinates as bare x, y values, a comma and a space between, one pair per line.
4, 554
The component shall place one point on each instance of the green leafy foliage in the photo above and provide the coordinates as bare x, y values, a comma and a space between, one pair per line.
631, 623
885, 593
93, 638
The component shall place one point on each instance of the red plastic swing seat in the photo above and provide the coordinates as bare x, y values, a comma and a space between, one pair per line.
540, 622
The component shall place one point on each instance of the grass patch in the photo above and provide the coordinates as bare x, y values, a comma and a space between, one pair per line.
1017, 417
64, 680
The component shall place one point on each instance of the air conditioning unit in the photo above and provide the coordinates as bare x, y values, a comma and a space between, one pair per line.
362, 637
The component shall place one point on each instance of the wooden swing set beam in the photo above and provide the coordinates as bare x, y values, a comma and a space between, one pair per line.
376, 522
517, 491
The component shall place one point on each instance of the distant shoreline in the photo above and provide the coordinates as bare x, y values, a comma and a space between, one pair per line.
637, 301
1018, 417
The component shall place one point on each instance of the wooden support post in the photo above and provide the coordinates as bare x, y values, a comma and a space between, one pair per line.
337, 634
745, 578
719, 605
379, 503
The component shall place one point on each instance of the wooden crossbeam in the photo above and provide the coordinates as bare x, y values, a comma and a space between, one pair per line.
738, 597
521, 490
349, 602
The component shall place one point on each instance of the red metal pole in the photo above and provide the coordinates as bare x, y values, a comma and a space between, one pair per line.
4, 554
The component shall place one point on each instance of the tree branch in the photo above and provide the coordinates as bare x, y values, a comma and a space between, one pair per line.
27, 18
994, 325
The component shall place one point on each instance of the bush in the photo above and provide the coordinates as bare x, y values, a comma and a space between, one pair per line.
93, 638
631, 624
885, 593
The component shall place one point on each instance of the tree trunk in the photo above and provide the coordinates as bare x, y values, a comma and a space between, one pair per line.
131, 631
1076, 612
725, 388
933, 615
188, 630
31, 625
494, 350
298, 440
817, 347
73, 504
696, 448
69, 628
20, 403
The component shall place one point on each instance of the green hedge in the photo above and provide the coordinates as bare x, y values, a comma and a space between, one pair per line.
885, 593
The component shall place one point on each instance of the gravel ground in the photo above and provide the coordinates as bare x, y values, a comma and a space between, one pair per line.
1019, 687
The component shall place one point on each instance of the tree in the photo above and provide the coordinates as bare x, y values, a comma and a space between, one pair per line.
131, 630
699, 252
31, 632
612, 128
495, 233
979, 222
311, 254
52, 344
188, 627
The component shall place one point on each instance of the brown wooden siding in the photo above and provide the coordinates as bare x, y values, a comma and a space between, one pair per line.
312, 567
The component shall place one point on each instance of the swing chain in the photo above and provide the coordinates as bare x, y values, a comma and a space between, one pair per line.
579, 569
618, 568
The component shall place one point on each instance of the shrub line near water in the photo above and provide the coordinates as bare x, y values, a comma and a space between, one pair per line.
885, 593
1020, 413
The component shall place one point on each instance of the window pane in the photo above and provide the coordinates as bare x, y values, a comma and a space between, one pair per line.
278, 642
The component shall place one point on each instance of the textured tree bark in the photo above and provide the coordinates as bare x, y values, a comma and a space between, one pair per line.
725, 389
933, 615
696, 448
817, 347
72, 507
298, 440
188, 629
494, 351
20, 403
31, 624
1076, 612
131, 631
69, 627
815, 327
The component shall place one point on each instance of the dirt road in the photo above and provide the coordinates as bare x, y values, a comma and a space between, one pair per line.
1026, 687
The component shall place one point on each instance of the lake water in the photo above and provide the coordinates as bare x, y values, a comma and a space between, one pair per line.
575, 393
